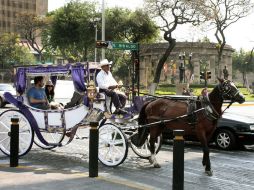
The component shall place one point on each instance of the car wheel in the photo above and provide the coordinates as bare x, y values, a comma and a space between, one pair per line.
225, 139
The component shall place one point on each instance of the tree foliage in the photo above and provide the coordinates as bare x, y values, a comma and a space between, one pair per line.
31, 27
12, 53
130, 26
72, 30
243, 61
124, 25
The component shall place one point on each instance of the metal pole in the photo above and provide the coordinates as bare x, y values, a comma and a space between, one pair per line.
95, 50
178, 160
103, 28
14, 142
93, 149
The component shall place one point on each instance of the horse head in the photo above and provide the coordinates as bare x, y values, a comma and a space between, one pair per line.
230, 92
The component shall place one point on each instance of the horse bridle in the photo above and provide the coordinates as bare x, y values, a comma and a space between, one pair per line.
225, 89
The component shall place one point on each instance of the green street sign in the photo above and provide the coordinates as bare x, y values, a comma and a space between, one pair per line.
123, 46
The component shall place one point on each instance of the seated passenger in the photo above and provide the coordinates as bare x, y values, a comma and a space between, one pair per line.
36, 94
50, 93
108, 85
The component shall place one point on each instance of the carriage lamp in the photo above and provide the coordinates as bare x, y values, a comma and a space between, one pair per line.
91, 90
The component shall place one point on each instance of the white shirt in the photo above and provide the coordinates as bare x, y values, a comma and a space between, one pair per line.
105, 80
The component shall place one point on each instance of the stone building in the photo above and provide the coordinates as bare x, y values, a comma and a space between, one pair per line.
10, 8
202, 55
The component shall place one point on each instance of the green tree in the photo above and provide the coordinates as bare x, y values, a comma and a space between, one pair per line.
130, 26
72, 30
12, 53
31, 27
124, 25
243, 62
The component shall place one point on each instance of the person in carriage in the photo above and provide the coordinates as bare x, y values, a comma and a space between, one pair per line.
108, 85
50, 93
36, 95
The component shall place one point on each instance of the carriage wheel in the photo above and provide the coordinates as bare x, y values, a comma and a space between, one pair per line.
113, 146
50, 137
144, 150
26, 133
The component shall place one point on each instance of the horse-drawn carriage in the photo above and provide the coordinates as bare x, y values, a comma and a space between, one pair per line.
48, 128
142, 131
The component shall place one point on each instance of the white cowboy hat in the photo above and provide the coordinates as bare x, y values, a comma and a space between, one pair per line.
49, 83
105, 62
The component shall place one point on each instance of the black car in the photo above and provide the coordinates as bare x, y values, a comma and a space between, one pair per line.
231, 132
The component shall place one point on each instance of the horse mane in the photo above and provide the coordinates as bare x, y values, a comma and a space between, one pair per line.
215, 99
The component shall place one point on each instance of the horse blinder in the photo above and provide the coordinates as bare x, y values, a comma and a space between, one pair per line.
229, 92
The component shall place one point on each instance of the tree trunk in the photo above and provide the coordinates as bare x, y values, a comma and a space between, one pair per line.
163, 59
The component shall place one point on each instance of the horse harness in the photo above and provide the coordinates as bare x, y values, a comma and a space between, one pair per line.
209, 110
191, 111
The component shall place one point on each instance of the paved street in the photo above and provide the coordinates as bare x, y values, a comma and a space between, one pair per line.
68, 167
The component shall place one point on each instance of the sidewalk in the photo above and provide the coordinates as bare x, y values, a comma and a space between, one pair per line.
41, 177
66, 168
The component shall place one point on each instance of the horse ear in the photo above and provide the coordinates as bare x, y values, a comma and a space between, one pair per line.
221, 80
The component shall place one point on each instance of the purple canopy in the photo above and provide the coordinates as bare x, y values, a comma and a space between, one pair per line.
77, 71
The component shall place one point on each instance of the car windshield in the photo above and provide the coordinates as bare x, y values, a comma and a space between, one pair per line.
6, 87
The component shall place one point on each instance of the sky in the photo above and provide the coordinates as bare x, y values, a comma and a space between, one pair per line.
238, 35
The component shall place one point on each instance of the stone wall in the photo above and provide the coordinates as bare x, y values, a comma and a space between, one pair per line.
151, 53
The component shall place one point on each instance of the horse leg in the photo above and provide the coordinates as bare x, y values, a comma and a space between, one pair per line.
206, 160
152, 158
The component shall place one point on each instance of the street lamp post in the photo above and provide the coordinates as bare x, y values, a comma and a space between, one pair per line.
182, 67
183, 59
103, 28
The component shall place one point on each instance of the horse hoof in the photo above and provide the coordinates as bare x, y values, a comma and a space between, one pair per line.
157, 165
209, 173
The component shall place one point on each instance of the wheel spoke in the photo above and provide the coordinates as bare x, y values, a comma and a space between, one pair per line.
3, 124
4, 139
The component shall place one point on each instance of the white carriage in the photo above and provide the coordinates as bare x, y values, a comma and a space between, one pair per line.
48, 128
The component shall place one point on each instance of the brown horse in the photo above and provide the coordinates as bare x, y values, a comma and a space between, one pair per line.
197, 116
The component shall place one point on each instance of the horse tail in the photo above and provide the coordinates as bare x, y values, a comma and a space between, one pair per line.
142, 120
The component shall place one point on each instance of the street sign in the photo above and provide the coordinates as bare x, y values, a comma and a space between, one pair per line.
124, 46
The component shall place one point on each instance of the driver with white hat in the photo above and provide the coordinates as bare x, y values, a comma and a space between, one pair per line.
107, 84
